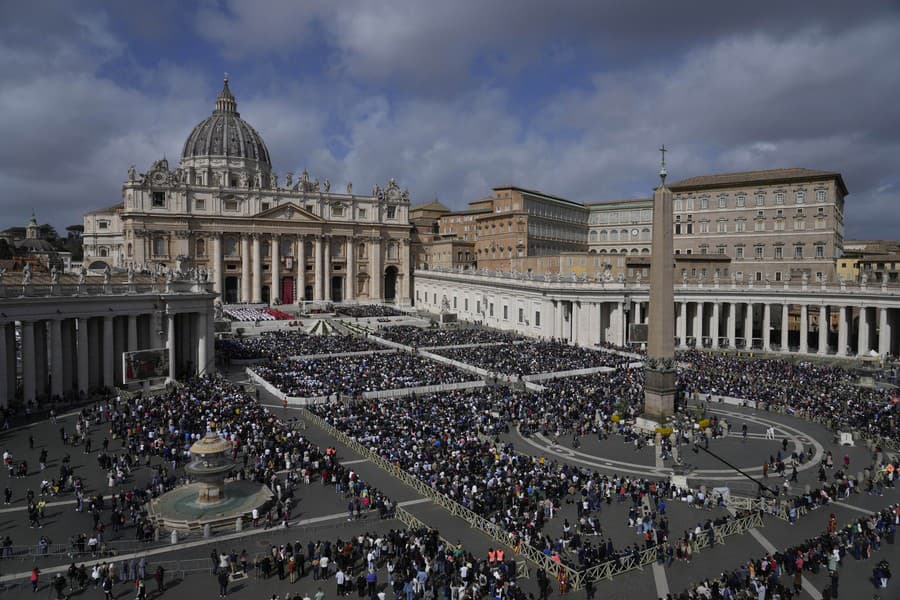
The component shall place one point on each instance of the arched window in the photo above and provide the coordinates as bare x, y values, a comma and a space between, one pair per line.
645, 251
645, 234
130, 249
613, 236
603, 236
593, 236
104, 252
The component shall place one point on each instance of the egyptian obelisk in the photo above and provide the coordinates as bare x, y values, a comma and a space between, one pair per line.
659, 369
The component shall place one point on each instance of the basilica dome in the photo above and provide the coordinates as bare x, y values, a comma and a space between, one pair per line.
224, 134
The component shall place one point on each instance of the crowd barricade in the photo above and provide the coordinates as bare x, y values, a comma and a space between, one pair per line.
421, 390
340, 354
576, 578
463, 366
390, 344
572, 373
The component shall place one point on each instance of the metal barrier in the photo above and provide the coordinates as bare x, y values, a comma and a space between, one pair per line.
575, 577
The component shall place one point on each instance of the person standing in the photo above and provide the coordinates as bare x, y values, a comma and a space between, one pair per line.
223, 583
35, 573
160, 577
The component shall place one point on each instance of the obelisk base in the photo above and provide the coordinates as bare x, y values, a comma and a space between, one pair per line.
659, 394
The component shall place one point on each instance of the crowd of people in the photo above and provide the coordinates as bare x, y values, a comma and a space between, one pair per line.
533, 357
254, 314
421, 337
284, 344
353, 375
451, 442
780, 574
811, 391
360, 311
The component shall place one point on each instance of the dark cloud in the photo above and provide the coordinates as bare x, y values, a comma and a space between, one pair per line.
454, 98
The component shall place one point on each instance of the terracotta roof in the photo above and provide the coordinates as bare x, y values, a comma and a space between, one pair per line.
792, 174
433, 205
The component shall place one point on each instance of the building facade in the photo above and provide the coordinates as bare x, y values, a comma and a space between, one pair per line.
779, 224
223, 210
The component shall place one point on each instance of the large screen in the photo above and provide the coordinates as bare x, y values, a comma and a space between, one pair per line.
142, 365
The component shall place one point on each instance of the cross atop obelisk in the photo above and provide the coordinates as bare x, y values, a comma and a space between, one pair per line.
659, 370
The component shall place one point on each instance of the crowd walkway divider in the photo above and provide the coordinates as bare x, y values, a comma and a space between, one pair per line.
570, 373
576, 578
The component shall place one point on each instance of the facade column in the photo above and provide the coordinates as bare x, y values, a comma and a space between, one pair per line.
862, 344
748, 326
823, 330
637, 311
202, 348
714, 325
170, 344
4, 362
682, 324
245, 268
884, 331
56, 358
804, 329
301, 268
218, 270
275, 269
10, 389
326, 269
732, 325
622, 324
376, 277
28, 358
41, 366
698, 326
784, 327
108, 380
766, 327
350, 284
84, 352
131, 341
256, 292
317, 288
842, 331
404, 295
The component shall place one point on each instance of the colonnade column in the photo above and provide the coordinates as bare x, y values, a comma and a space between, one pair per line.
766, 325
28, 361
108, 380
804, 329
842, 331
131, 341
732, 325
202, 358
350, 284
83, 355
748, 325
301, 268
698, 326
623, 324
823, 330
884, 331
682, 325
275, 268
326, 269
218, 271
245, 268
714, 324
170, 344
317, 268
784, 327
56, 358
10, 361
256, 295
862, 344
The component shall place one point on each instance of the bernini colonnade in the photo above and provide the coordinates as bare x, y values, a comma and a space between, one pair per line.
785, 317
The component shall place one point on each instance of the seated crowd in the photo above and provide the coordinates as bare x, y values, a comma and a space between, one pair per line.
250, 313
420, 337
360, 311
283, 344
354, 375
533, 357
809, 390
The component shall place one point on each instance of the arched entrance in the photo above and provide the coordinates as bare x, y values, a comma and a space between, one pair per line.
390, 283
308, 293
287, 290
230, 292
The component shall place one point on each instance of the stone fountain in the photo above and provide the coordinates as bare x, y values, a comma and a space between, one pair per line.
209, 500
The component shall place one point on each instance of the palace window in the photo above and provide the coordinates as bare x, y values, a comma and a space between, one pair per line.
820, 251
391, 212
779, 252
337, 211
740, 201
779, 198
739, 252
740, 226
759, 252
801, 197
103, 224
723, 202
722, 226
159, 200
798, 251
704, 203
231, 205
760, 200
820, 195
537, 318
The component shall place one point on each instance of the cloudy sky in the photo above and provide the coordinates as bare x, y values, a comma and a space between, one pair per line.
453, 98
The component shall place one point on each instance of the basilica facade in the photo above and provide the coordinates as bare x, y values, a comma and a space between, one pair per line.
223, 211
